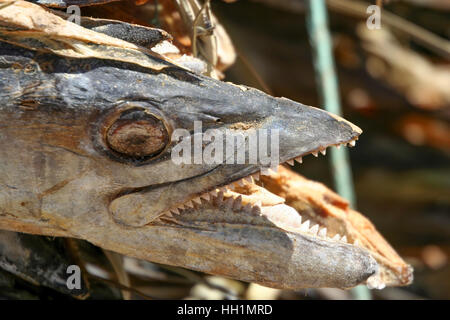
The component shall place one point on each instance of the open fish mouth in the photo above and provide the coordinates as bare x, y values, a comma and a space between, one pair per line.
255, 196
248, 195
239, 190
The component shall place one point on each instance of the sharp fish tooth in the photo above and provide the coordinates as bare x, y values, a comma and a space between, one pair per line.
229, 202
299, 159
344, 239
213, 193
314, 229
352, 143
175, 210
181, 207
337, 237
249, 179
305, 226
189, 204
206, 196
323, 151
315, 154
323, 232
167, 214
290, 162
256, 209
256, 176
237, 205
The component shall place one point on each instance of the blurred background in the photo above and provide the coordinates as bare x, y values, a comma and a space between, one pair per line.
394, 87
393, 83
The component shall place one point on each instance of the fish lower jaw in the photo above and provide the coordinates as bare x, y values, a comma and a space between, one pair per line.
280, 215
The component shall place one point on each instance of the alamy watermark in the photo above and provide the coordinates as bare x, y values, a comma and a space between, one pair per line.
226, 146
74, 279
373, 22
74, 14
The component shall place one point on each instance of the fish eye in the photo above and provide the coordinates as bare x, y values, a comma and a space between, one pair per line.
137, 133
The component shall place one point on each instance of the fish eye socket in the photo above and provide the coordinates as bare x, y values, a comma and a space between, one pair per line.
137, 133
